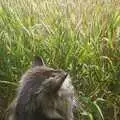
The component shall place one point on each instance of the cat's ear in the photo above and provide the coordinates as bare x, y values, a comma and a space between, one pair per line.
38, 61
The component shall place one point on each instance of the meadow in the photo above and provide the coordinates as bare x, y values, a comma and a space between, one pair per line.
78, 36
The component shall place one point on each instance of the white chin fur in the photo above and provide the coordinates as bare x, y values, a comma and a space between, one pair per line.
67, 83
67, 88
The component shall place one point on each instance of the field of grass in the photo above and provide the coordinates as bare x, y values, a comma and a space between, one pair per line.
79, 36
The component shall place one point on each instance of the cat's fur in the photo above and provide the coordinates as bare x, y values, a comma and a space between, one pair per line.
44, 94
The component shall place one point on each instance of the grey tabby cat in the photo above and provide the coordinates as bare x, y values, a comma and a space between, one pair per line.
44, 93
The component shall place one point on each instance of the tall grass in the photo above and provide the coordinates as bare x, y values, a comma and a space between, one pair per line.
79, 36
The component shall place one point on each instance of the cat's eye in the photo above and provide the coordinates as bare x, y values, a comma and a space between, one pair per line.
53, 75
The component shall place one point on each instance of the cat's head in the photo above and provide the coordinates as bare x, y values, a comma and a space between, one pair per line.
54, 90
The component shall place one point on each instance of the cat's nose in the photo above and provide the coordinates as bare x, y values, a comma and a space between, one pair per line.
66, 74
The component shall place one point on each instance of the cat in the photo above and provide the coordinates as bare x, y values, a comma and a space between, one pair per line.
44, 93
